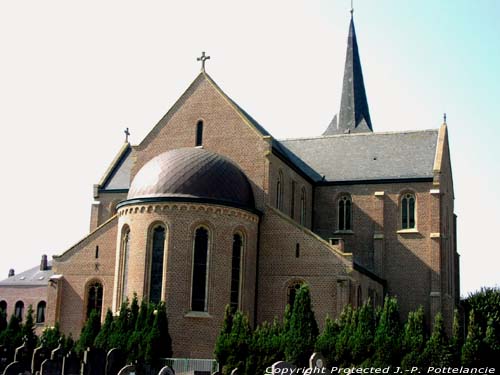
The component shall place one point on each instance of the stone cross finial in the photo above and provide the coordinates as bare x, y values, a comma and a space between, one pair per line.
203, 58
127, 133
352, 8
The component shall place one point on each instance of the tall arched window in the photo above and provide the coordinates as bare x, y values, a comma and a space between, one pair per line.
408, 211
199, 133
94, 298
200, 271
125, 254
279, 191
3, 307
292, 291
18, 310
236, 267
157, 253
40, 311
303, 207
345, 212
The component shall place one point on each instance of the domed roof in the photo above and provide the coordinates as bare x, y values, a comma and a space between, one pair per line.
192, 174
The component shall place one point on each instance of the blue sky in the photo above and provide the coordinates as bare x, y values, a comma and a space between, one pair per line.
74, 75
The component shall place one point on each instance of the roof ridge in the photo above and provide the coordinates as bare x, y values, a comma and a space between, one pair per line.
357, 135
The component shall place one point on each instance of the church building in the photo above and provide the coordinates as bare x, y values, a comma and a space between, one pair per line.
209, 209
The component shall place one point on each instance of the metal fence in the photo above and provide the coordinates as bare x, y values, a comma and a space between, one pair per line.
188, 366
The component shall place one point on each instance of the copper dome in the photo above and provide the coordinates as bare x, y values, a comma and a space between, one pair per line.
192, 174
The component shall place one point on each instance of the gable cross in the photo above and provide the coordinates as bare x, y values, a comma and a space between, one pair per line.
127, 133
203, 58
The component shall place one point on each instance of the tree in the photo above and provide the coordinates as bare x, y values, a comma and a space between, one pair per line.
11, 337
303, 331
222, 345
327, 341
346, 323
239, 341
265, 347
50, 336
492, 346
413, 342
159, 343
456, 340
136, 346
3, 320
102, 339
89, 332
471, 351
387, 340
28, 330
361, 341
119, 335
437, 350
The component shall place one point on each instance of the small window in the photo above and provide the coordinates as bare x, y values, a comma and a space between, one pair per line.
200, 271
279, 191
408, 211
292, 292
40, 312
18, 310
360, 296
297, 250
303, 207
199, 133
236, 271
345, 211
94, 298
97, 252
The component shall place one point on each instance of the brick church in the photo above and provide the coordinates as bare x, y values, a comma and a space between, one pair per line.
209, 209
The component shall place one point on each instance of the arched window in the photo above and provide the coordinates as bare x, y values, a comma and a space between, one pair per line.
40, 311
303, 207
360, 296
199, 133
94, 298
279, 191
292, 292
157, 253
18, 310
3, 307
125, 254
345, 212
408, 211
200, 271
236, 266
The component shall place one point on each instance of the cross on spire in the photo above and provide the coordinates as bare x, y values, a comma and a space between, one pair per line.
127, 133
352, 8
444, 118
203, 58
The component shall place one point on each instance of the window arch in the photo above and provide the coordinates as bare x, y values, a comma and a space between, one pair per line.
303, 206
345, 212
200, 270
236, 270
94, 297
124, 259
3, 307
40, 311
279, 191
158, 236
199, 133
18, 310
291, 291
408, 211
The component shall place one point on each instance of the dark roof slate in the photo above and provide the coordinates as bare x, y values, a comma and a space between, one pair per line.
368, 156
31, 277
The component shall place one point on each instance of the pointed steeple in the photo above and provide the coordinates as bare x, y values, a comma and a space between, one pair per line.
354, 115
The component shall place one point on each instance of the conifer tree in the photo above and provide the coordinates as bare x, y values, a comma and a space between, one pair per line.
492, 346
28, 329
265, 347
361, 341
11, 337
68, 343
102, 339
327, 341
51, 336
133, 313
158, 342
347, 324
239, 340
456, 340
89, 332
437, 350
387, 340
119, 329
222, 345
303, 330
136, 345
473, 346
413, 343
3, 320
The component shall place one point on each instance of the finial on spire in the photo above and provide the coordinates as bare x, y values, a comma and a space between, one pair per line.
444, 118
203, 58
127, 133
352, 9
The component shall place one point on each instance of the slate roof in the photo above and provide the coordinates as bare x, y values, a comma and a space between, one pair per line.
31, 277
117, 176
369, 156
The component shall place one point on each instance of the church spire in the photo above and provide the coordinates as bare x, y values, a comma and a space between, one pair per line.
354, 115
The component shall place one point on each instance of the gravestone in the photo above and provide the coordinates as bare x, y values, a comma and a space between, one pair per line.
127, 370
50, 367
14, 368
5, 357
235, 371
282, 367
58, 354
39, 355
317, 361
23, 356
71, 364
115, 360
217, 373
94, 362
167, 371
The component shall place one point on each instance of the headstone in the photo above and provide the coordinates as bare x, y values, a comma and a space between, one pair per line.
217, 373
317, 361
23, 356
14, 368
282, 367
94, 362
5, 357
235, 371
51, 367
127, 370
39, 355
71, 364
167, 371
58, 354
115, 360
